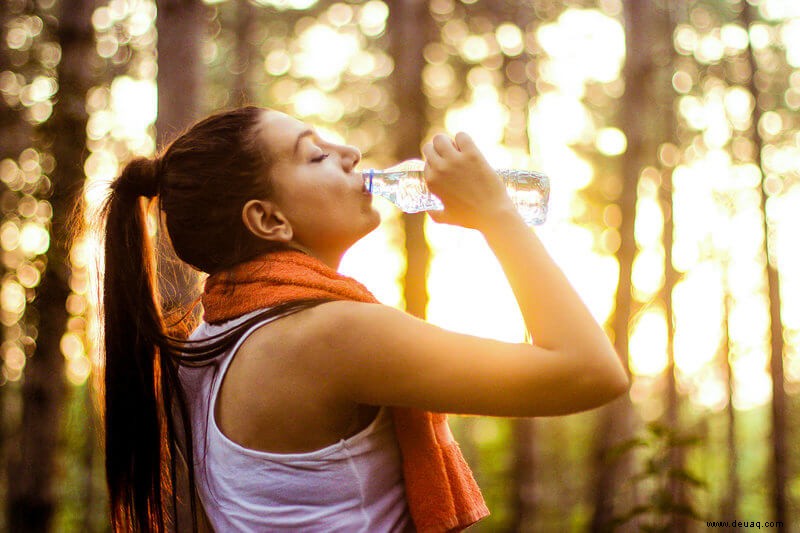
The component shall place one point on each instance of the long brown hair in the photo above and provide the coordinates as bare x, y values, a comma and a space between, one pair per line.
201, 181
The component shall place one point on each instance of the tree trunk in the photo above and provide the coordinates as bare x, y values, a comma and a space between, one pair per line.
245, 25
180, 25
12, 130
31, 498
616, 417
677, 488
780, 455
730, 503
523, 475
409, 28
15, 133
88, 496
523, 494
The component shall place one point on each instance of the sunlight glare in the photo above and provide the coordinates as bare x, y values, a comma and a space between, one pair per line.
324, 52
648, 343
697, 305
135, 105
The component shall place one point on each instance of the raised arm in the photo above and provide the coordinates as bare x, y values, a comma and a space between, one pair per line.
386, 357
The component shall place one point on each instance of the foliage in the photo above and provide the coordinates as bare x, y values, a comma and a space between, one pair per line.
658, 479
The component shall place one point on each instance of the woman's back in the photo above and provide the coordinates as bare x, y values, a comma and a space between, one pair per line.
354, 484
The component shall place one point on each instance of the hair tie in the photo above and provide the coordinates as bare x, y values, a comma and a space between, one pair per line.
140, 177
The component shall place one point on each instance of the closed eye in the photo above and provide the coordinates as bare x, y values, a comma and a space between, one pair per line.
319, 159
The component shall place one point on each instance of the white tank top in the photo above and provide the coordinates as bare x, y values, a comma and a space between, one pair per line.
355, 484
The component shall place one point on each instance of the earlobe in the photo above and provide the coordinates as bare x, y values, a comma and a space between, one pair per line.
264, 220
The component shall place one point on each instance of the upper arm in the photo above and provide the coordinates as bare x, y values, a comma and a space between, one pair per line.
379, 355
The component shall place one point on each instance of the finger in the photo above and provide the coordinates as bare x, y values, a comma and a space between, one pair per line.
465, 143
430, 155
444, 145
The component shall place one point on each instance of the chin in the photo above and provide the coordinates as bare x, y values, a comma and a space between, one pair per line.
371, 222
375, 218
371, 217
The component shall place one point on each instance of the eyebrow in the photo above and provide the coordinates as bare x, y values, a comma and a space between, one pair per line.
304, 133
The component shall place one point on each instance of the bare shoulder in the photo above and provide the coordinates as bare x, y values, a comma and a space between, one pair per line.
314, 327
302, 344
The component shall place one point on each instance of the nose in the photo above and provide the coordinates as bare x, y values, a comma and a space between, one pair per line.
350, 157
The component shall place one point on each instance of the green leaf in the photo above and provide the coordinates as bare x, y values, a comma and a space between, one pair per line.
653, 528
690, 440
686, 509
688, 477
657, 429
615, 452
634, 512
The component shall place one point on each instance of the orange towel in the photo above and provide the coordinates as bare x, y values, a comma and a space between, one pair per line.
441, 492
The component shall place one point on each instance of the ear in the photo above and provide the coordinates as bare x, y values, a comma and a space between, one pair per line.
266, 221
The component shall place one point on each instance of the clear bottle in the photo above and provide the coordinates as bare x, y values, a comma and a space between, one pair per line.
404, 185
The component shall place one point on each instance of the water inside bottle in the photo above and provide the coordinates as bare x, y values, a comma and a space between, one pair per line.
530, 193
413, 195
382, 183
404, 185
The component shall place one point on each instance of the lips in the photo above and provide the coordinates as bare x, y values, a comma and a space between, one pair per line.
363, 183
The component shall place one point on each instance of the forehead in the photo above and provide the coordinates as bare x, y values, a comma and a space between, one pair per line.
279, 131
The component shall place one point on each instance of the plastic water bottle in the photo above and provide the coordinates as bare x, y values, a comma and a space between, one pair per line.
404, 185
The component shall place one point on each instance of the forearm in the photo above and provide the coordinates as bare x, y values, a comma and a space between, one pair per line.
554, 314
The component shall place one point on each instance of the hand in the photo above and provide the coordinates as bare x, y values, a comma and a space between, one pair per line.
469, 188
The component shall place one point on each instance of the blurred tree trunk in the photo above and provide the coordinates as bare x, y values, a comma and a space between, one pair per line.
180, 25
90, 444
11, 125
666, 51
730, 503
616, 418
31, 498
245, 26
15, 133
409, 29
780, 455
523, 474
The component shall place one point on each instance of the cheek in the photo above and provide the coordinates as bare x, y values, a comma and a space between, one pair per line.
318, 209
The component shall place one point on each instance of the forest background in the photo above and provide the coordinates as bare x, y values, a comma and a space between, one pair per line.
671, 135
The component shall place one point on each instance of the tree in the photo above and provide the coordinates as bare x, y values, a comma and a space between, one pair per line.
409, 27
667, 22
616, 417
180, 25
523, 430
245, 26
780, 454
16, 131
730, 503
31, 499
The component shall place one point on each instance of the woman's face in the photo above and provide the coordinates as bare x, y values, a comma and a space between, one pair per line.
316, 187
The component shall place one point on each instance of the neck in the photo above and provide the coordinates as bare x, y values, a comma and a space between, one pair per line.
331, 258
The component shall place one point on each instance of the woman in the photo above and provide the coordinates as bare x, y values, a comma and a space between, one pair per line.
294, 432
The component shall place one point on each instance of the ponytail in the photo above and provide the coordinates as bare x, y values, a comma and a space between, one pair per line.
141, 381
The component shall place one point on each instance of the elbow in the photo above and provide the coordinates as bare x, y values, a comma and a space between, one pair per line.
616, 381
620, 384
609, 382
